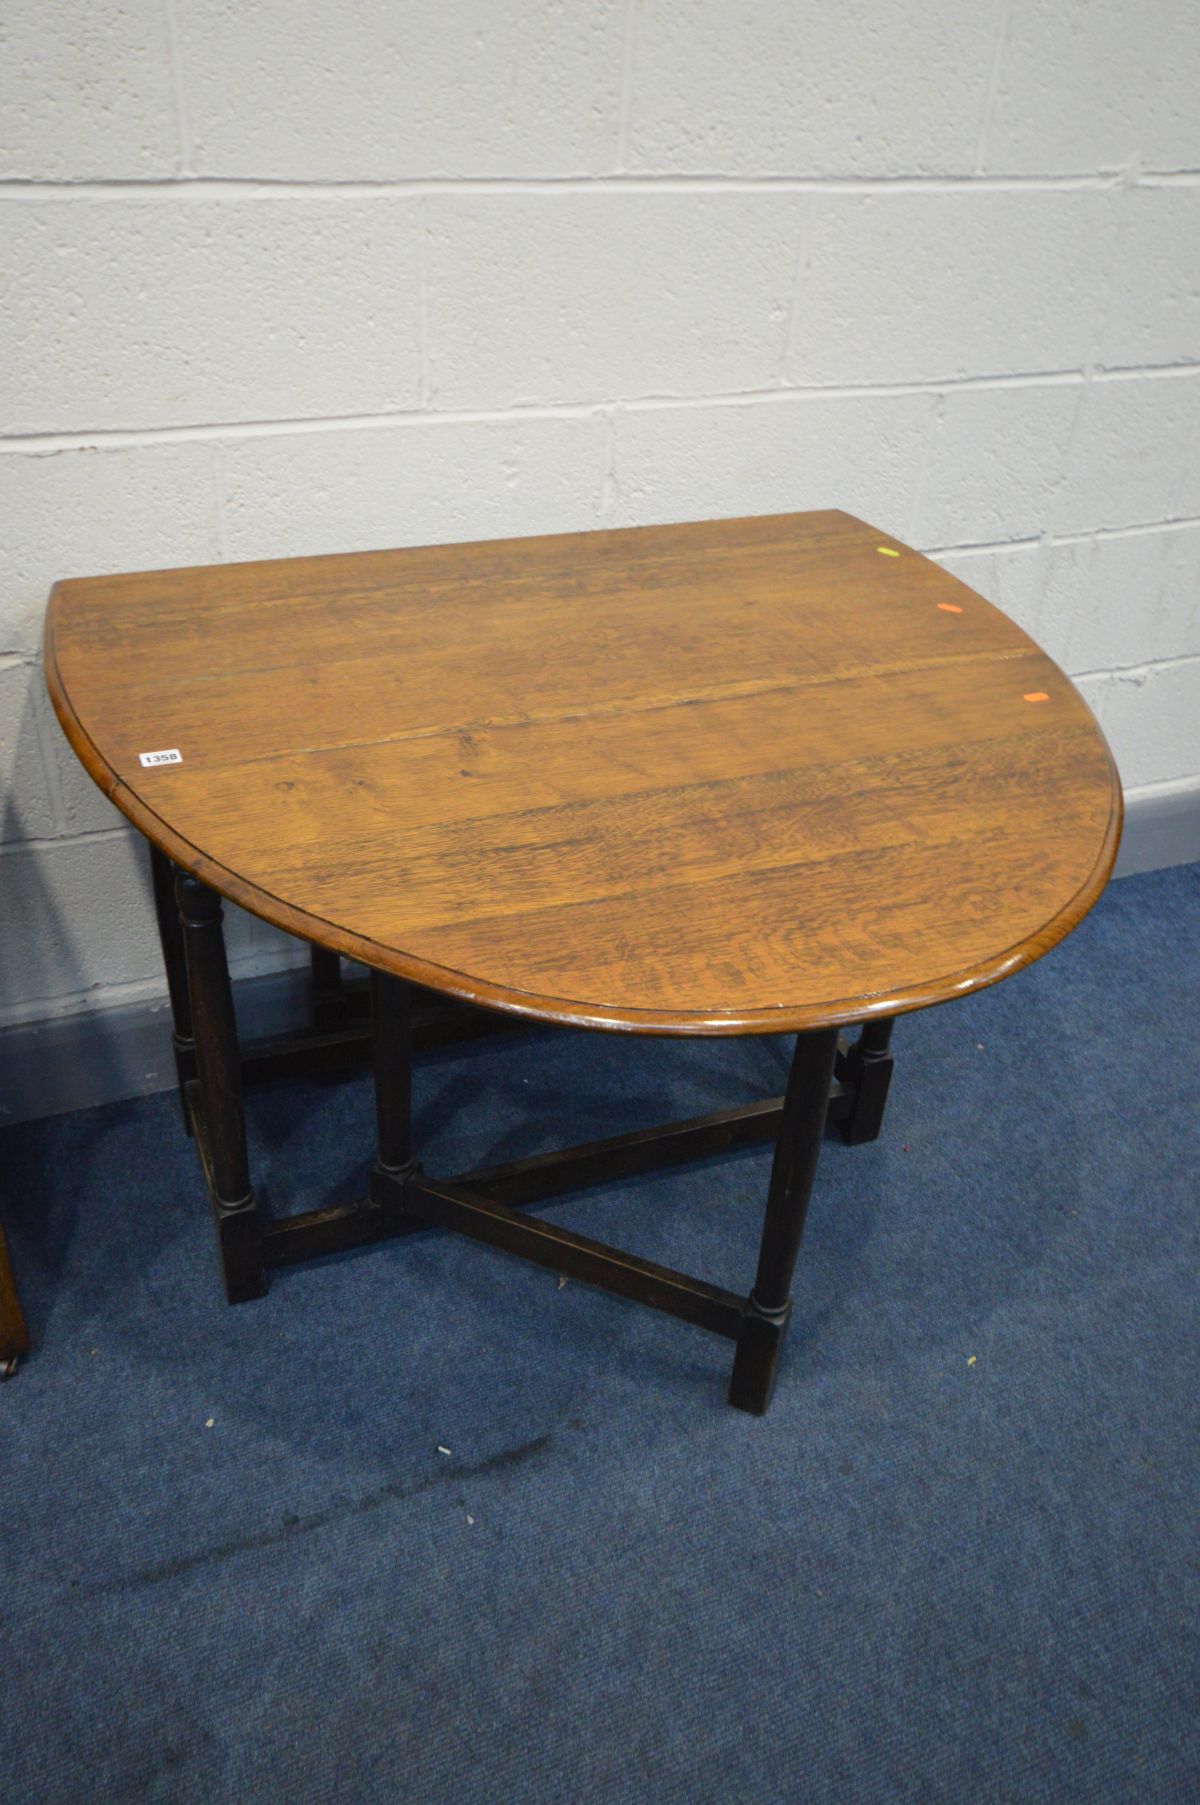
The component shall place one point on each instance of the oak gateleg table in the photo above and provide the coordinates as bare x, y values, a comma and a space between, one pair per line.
752, 776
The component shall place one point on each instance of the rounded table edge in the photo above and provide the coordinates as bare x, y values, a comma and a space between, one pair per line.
564, 1012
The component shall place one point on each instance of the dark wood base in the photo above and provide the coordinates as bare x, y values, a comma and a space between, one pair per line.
832, 1082
340, 1228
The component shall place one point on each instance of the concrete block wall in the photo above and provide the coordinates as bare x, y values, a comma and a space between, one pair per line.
287, 279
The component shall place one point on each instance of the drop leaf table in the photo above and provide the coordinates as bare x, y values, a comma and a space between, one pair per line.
752, 776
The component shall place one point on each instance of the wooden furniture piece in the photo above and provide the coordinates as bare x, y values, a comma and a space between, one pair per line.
14, 1336
735, 777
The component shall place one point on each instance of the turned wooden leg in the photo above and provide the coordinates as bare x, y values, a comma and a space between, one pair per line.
219, 1124
796, 1152
867, 1066
391, 1058
329, 1004
170, 938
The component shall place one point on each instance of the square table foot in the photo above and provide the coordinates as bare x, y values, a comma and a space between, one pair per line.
756, 1361
239, 1243
865, 1068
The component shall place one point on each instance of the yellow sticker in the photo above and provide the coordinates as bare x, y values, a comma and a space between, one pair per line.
885, 551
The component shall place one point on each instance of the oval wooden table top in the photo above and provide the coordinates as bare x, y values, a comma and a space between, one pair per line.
736, 776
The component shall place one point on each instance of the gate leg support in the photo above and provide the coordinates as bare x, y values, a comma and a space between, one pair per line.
391, 1060
868, 1068
221, 1127
796, 1152
329, 1005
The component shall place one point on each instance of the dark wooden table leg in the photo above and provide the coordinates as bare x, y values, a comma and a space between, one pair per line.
170, 937
391, 1059
330, 1005
867, 1068
220, 1125
14, 1336
796, 1152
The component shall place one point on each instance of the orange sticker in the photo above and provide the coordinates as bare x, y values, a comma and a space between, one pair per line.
1036, 695
949, 607
885, 551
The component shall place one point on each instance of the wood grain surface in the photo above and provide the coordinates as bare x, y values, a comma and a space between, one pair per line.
734, 776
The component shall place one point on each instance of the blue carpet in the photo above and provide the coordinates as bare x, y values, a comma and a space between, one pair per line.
955, 1562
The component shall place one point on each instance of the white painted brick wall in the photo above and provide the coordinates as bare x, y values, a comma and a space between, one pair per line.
85, 92
287, 279
378, 90
583, 297
994, 456
160, 312
864, 88
88, 510
1083, 87
422, 483
935, 285
1134, 457
862, 453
